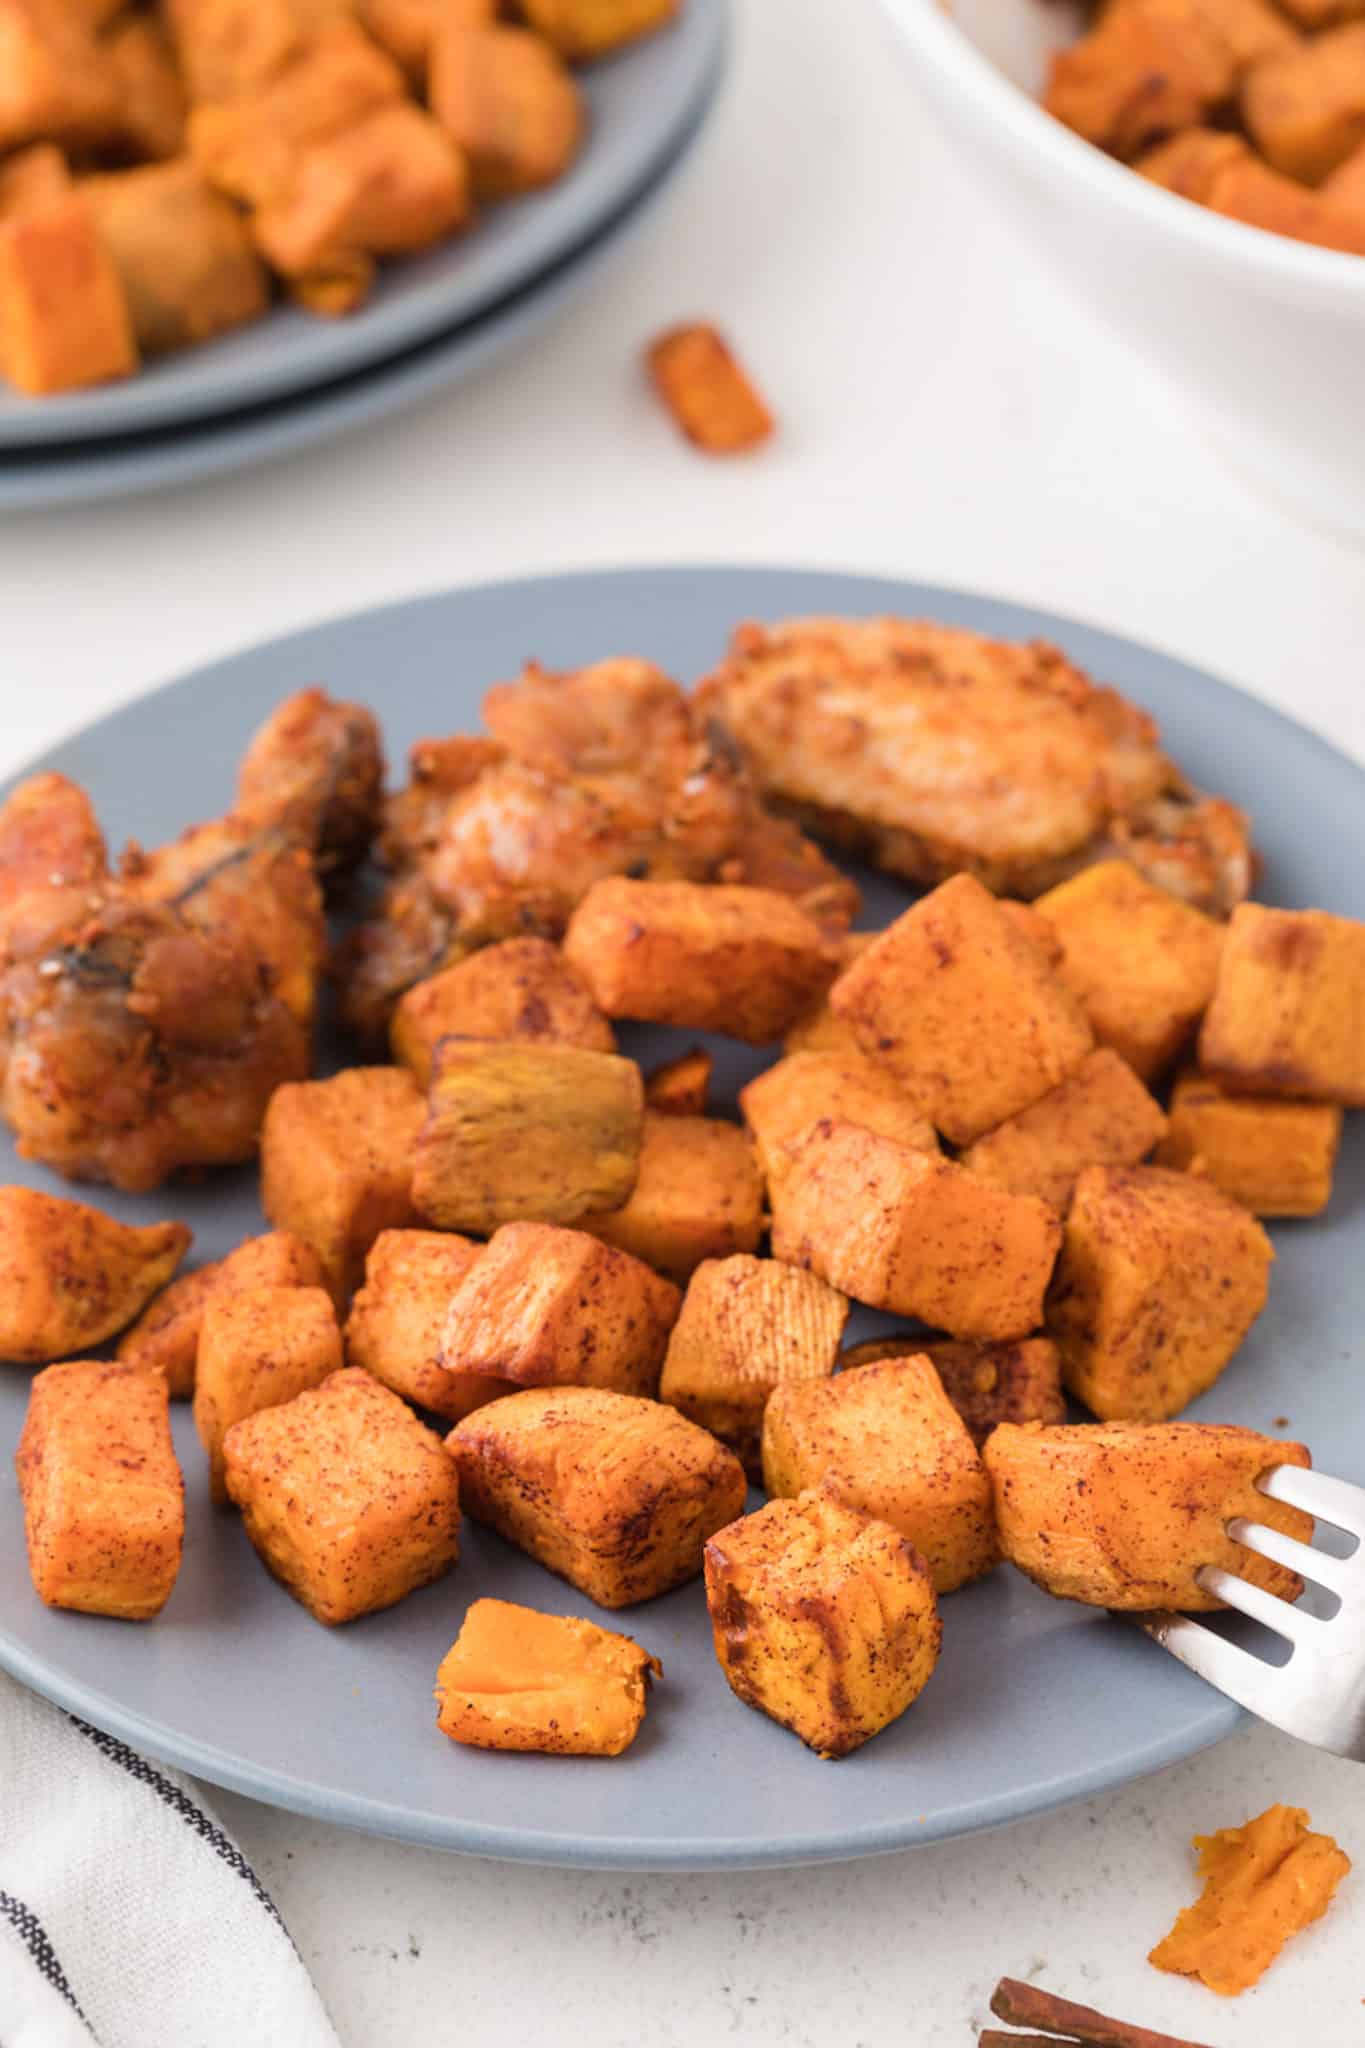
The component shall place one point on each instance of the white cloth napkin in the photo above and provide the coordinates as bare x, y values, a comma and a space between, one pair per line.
128, 1915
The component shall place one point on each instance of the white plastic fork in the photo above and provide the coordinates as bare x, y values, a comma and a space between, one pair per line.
1319, 1695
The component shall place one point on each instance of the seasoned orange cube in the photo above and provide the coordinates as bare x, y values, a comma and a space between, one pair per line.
518, 1679
986, 1383
682, 1086
397, 1319
1262, 1883
228, 49
259, 1347
31, 179
70, 1276
391, 183
182, 252
407, 28
583, 29
1305, 108
698, 1195
522, 988
165, 1338
55, 85
1099, 1116
798, 1091
1288, 1012
1274, 1156
1145, 70
64, 319
151, 99
337, 1163
707, 391
506, 100
818, 1029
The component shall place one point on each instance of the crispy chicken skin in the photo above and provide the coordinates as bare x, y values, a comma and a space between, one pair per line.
316, 767
930, 749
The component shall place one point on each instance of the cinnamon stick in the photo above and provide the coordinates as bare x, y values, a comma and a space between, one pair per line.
1027, 2005
996, 2037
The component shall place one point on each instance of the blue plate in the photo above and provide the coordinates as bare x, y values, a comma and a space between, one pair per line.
1034, 1702
641, 105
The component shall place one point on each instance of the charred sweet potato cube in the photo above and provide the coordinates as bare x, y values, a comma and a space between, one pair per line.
151, 99
55, 85
1305, 109
182, 253
1146, 69
681, 1087
508, 103
747, 1327
705, 388
348, 1499
522, 988
960, 1006
397, 1319
104, 1502
32, 179
518, 1679
798, 1091
258, 1348
165, 1338
699, 1195
1276, 1157
705, 956
545, 1306
71, 1276
818, 1029
1288, 1012
64, 319
228, 49
542, 1133
822, 1619
1160, 1278
407, 28
337, 1163
615, 1494
391, 183
986, 1383
583, 29
920, 1236
1122, 1514
887, 1442
1099, 1116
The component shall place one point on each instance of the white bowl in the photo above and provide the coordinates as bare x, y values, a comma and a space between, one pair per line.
1268, 335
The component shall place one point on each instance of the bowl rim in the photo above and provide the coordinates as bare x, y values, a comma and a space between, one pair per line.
1255, 254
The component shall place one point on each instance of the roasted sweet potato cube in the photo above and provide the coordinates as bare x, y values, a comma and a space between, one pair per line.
55, 84
349, 1500
1252, 29
1288, 1012
583, 29
258, 1348
508, 103
707, 391
397, 1319
615, 1494
407, 28
337, 1162
1191, 162
1124, 1514
822, 1619
1160, 1278
748, 1326
70, 1276
227, 49
518, 1679
390, 184
1100, 1115
1146, 69
917, 1235
681, 1087
798, 1091
1222, 172
543, 1133
182, 253
151, 98
32, 179
1305, 109
104, 1502
957, 1003
818, 1029
705, 956
887, 1442
699, 1195
522, 988
64, 319
1276, 1157
1028, 920
986, 1383
165, 1337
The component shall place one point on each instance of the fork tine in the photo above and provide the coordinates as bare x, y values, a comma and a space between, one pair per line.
1328, 1712
1271, 1612
1233, 1670
1332, 1500
1334, 1573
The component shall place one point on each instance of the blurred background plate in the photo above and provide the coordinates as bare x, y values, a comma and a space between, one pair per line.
642, 105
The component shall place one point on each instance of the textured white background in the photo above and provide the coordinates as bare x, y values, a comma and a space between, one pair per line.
947, 415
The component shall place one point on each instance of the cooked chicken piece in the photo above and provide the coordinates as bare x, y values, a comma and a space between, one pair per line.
929, 749
316, 767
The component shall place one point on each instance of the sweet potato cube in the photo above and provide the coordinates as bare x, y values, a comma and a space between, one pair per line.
1100, 1115
407, 28
818, 1029
150, 95
1220, 171
707, 391
1252, 29
747, 1327
229, 49
518, 1679
1160, 1278
1124, 1514
615, 1494
182, 253
1276, 1157
541, 1133
55, 85
986, 1383
337, 1162
64, 319
397, 1319
1305, 109
70, 1276
508, 103
348, 1499
1288, 1012
805, 1087
391, 183
887, 1442
1145, 70
917, 1235
699, 1195
258, 1348
522, 988
705, 956
957, 1003
165, 1338
583, 29
32, 179
681, 1087
822, 1619
104, 1502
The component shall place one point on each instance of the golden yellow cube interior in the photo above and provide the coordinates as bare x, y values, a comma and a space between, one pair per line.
1099, 1116
1288, 1013
698, 1195
1274, 1156
258, 1347
518, 1679
398, 1319
787, 1098
986, 1383
522, 988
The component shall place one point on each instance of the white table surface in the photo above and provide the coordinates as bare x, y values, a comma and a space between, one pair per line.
947, 414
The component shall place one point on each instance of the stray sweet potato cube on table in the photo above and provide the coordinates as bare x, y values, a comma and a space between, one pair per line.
1099, 1116
583, 29
699, 1195
521, 1680
31, 179
681, 1087
407, 28
104, 1502
798, 1091
64, 319
986, 1383
165, 1338
887, 1442
507, 102
70, 1276
348, 1499
521, 988
1122, 1514
1145, 70
707, 391
1305, 109
398, 1318
337, 1163
259, 1347
182, 252
822, 1619
615, 1494
1288, 1012
1274, 1156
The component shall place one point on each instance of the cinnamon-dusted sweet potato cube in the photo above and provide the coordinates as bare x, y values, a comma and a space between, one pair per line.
55, 84
1305, 109
1122, 1514
798, 1091
182, 253
916, 1235
1222, 172
699, 1195
583, 29
337, 1162
1031, 923
1288, 1012
32, 178
1099, 1116
747, 1327
887, 1442
961, 1006
151, 99
165, 1338
104, 1502
544, 1306
1274, 1156
1252, 29
521, 1680
70, 1276
822, 1619
818, 1029
228, 49
508, 103
615, 1494
1160, 1278
705, 956
407, 28
397, 1320
522, 988
1145, 70
707, 391
543, 1133
258, 1348
64, 319
348, 1499
681, 1087
986, 1383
